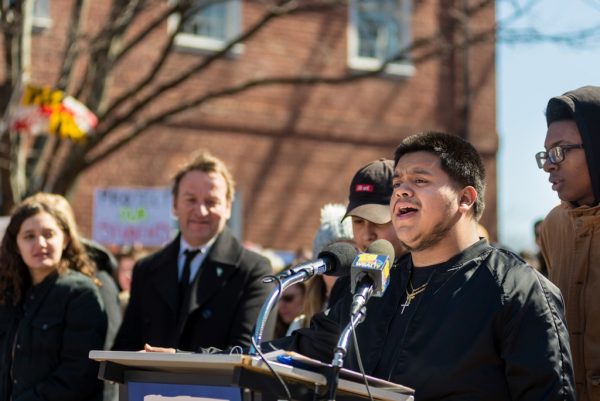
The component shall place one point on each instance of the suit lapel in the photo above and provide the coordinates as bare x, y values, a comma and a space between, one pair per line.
165, 278
220, 263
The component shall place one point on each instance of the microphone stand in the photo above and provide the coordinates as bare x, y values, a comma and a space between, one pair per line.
341, 350
265, 311
364, 291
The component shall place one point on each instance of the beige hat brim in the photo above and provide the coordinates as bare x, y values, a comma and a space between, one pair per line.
378, 214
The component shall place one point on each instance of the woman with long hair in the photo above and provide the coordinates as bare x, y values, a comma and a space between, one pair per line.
288, 308
51, 314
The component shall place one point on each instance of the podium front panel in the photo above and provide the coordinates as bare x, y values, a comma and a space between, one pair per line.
178, 392
164, 386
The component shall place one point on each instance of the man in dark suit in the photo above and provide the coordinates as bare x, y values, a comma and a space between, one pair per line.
203, 289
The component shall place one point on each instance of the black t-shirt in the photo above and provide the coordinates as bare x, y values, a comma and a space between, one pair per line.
416, 287
419, 279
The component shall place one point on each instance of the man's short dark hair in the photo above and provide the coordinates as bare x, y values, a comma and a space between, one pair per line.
458, 158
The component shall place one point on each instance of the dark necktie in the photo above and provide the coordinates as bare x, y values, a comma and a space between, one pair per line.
184, 283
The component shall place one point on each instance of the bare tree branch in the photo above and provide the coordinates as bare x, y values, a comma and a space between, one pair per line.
152, 25
532, 35
104, 44
509, 35
47, 170
8, 59
71, 45
141, 126
159, 63
427, 49
178, 7
120, 19
462, 14
123, 21
287, 8
3, 15
184, 76
107, 49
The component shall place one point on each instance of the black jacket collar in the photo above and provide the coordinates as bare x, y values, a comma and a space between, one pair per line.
472, 254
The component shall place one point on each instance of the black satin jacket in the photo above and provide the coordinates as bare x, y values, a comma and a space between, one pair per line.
488, 327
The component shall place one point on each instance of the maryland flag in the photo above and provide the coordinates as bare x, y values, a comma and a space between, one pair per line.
41, 110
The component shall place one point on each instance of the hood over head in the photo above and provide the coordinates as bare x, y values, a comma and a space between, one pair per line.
583, 106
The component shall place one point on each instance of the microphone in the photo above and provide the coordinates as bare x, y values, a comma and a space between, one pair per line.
370, 273
334, 260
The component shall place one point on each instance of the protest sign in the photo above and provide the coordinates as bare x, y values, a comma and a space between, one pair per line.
127, 216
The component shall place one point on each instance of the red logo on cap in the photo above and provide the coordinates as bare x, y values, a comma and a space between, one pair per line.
364, 188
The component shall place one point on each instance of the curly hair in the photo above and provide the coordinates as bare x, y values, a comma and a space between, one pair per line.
15, 278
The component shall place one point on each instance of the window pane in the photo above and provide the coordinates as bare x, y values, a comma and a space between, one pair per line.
210, 21
378, 26
41, 9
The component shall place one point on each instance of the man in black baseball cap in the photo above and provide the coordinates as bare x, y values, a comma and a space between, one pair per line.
369, 205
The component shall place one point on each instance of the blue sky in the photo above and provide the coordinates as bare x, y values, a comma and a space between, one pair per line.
527, 76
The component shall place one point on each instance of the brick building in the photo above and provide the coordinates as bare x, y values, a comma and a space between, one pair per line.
294, 148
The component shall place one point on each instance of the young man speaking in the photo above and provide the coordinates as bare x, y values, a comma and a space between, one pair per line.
460, 320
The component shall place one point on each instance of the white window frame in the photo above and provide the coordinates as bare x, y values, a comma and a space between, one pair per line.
359, 63
43, 21
190, 41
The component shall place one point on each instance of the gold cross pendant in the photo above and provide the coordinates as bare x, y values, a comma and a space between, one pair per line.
409, 298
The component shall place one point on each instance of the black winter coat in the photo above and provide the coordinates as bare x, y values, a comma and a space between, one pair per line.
51, 334
488, 327
228, 293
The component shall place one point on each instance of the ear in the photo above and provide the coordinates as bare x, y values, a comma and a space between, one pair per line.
468, 196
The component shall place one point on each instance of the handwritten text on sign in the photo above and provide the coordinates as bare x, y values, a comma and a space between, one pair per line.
125, 216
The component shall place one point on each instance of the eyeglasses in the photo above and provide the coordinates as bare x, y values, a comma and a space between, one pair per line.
555, 154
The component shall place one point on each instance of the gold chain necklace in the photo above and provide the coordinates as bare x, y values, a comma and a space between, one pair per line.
412, 294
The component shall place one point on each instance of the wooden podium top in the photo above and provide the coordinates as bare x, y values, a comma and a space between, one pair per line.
179, 362
193, 363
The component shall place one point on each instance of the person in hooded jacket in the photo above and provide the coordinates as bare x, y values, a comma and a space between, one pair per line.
570, 234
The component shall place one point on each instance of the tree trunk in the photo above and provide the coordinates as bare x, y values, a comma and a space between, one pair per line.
8, 200
70, 168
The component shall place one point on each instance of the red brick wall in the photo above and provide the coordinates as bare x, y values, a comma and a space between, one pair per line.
293, 149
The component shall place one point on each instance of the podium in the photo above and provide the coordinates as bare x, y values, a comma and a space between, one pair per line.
193, 377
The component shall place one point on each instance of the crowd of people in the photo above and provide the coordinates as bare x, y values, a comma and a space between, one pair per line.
462, 319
